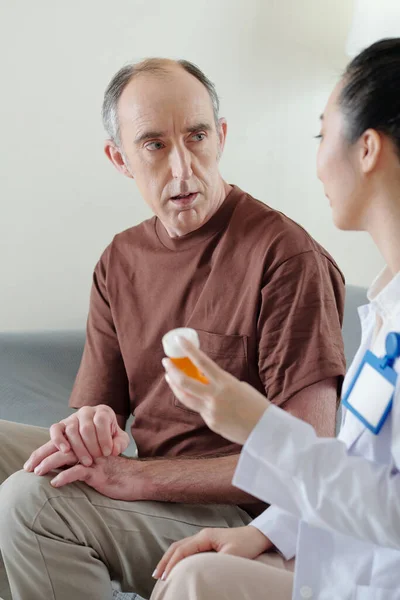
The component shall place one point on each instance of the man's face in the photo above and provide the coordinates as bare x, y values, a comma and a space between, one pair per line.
171, 147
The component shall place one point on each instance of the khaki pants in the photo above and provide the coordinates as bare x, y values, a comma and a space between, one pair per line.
221, 577
59, 544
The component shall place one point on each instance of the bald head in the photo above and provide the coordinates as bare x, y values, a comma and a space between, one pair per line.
156, 67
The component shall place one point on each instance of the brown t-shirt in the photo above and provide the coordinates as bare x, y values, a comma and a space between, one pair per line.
266, 299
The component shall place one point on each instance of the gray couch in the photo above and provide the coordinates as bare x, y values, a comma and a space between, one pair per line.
37, 371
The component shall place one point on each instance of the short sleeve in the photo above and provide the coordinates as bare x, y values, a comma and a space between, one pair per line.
102, 377
299, 327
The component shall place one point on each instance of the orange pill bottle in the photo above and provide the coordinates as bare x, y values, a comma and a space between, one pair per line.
173, 350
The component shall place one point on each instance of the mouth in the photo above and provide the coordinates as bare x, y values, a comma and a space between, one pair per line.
183, 200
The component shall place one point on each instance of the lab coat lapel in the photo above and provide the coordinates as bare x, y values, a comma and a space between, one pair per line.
352, 428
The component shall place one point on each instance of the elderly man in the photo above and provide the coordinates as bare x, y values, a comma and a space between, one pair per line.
267, 302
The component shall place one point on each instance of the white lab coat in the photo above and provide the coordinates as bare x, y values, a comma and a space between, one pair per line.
335, 502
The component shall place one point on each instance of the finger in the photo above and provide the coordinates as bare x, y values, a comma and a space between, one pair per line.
191, 546
40, 454
88, 434
199, 540
56, 461
77, 473
183, 381
160, 568
76, 442
203, 362
115, 448
120, 443
57, 436
192, 402
103, 423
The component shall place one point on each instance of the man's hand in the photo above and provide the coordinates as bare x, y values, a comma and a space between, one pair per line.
247, 542
48, 457
90, 433
114, 477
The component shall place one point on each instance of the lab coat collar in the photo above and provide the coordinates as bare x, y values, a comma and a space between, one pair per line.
384, 293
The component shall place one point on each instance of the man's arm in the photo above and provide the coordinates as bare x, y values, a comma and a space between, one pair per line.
193, 481
299, 327
183, 480
316, 405
101, 378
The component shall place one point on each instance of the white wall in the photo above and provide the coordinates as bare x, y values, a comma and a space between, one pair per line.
274, 62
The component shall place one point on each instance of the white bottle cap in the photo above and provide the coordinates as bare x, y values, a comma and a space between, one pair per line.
171, 348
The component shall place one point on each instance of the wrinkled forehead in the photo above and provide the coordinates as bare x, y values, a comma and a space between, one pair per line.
164, 101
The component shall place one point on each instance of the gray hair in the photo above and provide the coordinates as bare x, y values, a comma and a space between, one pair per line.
150, 65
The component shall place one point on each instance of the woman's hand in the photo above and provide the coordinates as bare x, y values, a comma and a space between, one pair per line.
247, 542
230, 407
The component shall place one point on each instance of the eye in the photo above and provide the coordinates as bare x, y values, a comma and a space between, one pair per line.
152, 146
318, 137
199, 137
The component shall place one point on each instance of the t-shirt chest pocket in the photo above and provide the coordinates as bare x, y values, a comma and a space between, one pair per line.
228, 351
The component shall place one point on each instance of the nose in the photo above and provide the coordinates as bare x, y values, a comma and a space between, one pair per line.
181, 163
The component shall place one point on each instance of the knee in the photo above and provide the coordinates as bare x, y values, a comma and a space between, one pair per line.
198, 564
197, 577
184, 580
22, 496
200, 571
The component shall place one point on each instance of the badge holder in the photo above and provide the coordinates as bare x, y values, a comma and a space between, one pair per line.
370, 395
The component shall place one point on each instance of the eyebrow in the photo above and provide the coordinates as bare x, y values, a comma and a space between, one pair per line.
148, 135
198, 127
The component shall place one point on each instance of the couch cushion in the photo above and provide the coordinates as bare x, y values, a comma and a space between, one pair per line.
355, 297
37, 371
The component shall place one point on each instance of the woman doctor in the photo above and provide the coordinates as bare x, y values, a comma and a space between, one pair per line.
335, 504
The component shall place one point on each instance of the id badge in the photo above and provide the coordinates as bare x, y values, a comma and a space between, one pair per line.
370, 395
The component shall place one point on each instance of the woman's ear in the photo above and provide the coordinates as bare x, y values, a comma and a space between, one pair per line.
370, 150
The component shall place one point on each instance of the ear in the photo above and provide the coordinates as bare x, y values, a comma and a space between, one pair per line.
221, 132
115, 155
371, 147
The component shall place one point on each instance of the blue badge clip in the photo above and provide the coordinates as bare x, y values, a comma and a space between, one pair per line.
392, 349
